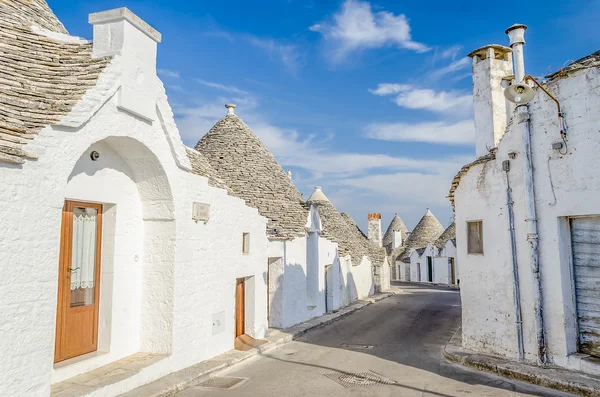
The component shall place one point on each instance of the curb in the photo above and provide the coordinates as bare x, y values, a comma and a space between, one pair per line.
202, 371
551, 377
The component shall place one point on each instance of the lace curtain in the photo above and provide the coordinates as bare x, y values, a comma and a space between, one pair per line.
83, 265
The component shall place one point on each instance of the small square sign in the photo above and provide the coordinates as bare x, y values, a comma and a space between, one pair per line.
201, 212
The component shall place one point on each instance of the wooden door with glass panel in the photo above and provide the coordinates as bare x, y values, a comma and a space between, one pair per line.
78, 280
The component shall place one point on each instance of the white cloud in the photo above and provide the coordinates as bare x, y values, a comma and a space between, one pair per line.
451, 52
356, 182
174, 74
459, 133
222, 87
453, 67
418, 98
435, 101
288, 54
389, 89
356, 27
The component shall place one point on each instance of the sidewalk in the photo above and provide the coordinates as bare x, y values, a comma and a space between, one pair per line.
198, 373
551, 376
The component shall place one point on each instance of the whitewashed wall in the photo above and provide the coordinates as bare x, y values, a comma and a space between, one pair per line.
486, 280
186, 265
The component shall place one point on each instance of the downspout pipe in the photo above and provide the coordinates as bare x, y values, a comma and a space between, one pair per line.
522, 116
515, 264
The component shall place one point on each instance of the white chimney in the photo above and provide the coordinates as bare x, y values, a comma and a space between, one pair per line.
374, 231
289, 173
516, 33
491, 64
121, 32
396, 239
230, 108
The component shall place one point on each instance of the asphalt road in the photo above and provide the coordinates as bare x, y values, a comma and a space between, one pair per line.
398, 340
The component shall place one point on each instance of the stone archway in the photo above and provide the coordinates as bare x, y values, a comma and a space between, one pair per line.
131, 180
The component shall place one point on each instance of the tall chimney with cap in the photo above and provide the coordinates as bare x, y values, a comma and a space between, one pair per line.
122, 33
491, 64
516, 33
374, 232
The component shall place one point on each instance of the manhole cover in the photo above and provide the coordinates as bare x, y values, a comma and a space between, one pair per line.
223, 383
359, 379
356, 346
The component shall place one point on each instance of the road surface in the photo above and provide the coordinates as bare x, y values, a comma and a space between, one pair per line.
390, 348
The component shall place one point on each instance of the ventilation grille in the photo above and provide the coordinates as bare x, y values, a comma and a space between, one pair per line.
359, 379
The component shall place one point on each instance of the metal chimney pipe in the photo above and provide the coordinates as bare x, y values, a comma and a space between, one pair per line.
516, 33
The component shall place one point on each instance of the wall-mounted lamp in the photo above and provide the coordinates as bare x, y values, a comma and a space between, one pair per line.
94, 155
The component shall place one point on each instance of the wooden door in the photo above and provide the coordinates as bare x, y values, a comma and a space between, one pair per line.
78, 280
452, 271
429, 269
240, 307
585, 246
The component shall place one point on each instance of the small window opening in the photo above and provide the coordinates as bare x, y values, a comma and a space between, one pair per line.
475, 237
246, 243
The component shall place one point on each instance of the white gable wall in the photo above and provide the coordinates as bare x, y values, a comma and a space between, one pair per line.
486, 280
160, 279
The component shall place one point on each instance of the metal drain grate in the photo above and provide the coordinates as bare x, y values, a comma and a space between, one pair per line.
355, 346
223, 383
359, 379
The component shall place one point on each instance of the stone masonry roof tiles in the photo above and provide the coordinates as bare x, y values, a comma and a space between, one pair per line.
428, 230
351, 241
41, 79
396, 225
253, 174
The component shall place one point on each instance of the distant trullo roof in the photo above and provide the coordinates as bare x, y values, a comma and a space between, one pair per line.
342, 229
428, 230
41, 78
396, 225
449, 234
253, 174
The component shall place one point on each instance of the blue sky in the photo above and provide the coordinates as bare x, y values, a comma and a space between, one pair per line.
369, 99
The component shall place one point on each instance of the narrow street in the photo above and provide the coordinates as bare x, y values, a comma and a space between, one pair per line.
398, 340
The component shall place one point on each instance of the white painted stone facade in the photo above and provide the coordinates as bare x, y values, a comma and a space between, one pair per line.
566, 185
164, 276
440, 260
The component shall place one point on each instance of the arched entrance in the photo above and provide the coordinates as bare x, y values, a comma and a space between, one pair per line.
127, 184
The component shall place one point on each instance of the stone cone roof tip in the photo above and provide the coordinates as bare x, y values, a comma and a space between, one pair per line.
396, 225
317, 195
428, 230
253, 174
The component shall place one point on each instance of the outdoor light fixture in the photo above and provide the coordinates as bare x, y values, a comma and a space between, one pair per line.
94, 155
519, 93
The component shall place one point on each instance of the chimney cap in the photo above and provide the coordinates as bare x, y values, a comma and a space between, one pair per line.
516, 26
230, 108
499, 51
124, 13
317, 195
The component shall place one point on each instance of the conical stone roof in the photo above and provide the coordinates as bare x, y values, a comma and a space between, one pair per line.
41, 78
449, 234
254, 175
396, 225
342, 229
428, 230
30, 12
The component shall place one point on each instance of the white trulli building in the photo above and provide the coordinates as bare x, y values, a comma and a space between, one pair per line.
528, 213
426, 231
393, 238
437, 260
318, 260
113, 242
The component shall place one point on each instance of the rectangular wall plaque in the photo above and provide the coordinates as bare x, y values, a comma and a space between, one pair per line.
218, 323
201, 212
